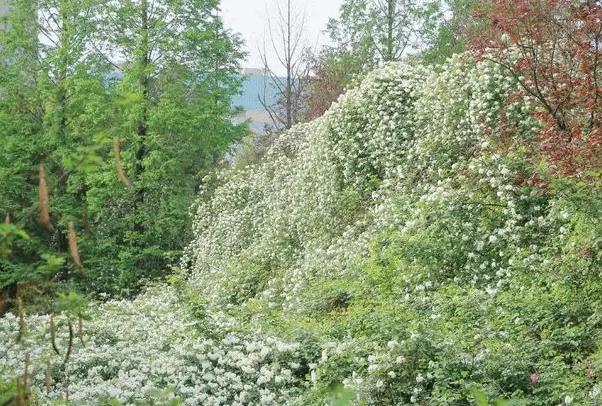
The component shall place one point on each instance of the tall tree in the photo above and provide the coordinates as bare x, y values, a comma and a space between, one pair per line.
285, 38
381, 30
394, 26
445, 33
50, 112
114, 109
177, 69
368, 33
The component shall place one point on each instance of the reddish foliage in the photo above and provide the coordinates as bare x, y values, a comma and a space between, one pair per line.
326, 86
534, 378
554, 49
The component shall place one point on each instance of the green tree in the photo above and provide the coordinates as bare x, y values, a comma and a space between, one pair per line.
158, 77
446, 33
390, 30
178, 68
51, 104
381, 30
368, 33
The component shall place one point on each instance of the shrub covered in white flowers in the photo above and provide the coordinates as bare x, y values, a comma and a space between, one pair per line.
403, 147
392, 252
401, 229
152, 349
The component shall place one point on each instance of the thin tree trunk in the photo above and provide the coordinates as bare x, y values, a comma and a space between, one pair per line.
142, 128
390, 28
289, 72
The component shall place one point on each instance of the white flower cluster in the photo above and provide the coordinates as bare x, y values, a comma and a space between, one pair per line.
134, 351
421, 154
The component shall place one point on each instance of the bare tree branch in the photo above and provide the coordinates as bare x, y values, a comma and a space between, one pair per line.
290, 53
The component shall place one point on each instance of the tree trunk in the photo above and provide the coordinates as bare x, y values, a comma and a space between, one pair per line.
289, 70
390, 45
144, 81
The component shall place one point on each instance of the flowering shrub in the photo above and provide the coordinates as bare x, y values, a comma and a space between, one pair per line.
403, 229
134, 350
327, 187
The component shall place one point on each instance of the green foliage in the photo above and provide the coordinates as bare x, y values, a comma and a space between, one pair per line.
63, 102
446, 34
341, 396
481, 399
173, 116
8, 392
73, 305
8, 234
368, 33
399, 250
442, 336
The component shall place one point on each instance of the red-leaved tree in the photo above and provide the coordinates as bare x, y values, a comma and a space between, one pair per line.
553, 49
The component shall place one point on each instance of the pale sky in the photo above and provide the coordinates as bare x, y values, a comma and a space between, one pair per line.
249, 18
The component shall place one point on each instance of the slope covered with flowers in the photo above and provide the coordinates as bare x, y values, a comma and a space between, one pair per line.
402, 249
422, 245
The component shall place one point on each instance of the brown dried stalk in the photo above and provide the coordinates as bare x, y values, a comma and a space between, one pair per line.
43, 201
80, 330
69, 344
53, 334
21, 311
48, 378
73, 247
26, 373
66, 385
23, 385
120, 171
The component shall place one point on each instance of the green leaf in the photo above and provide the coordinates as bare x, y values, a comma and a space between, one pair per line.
480, 397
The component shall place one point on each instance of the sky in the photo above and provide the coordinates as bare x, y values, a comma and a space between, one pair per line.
249, 18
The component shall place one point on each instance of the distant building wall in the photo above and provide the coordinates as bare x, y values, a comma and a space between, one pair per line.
253, 71
3, 12
256, 87
3, 7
